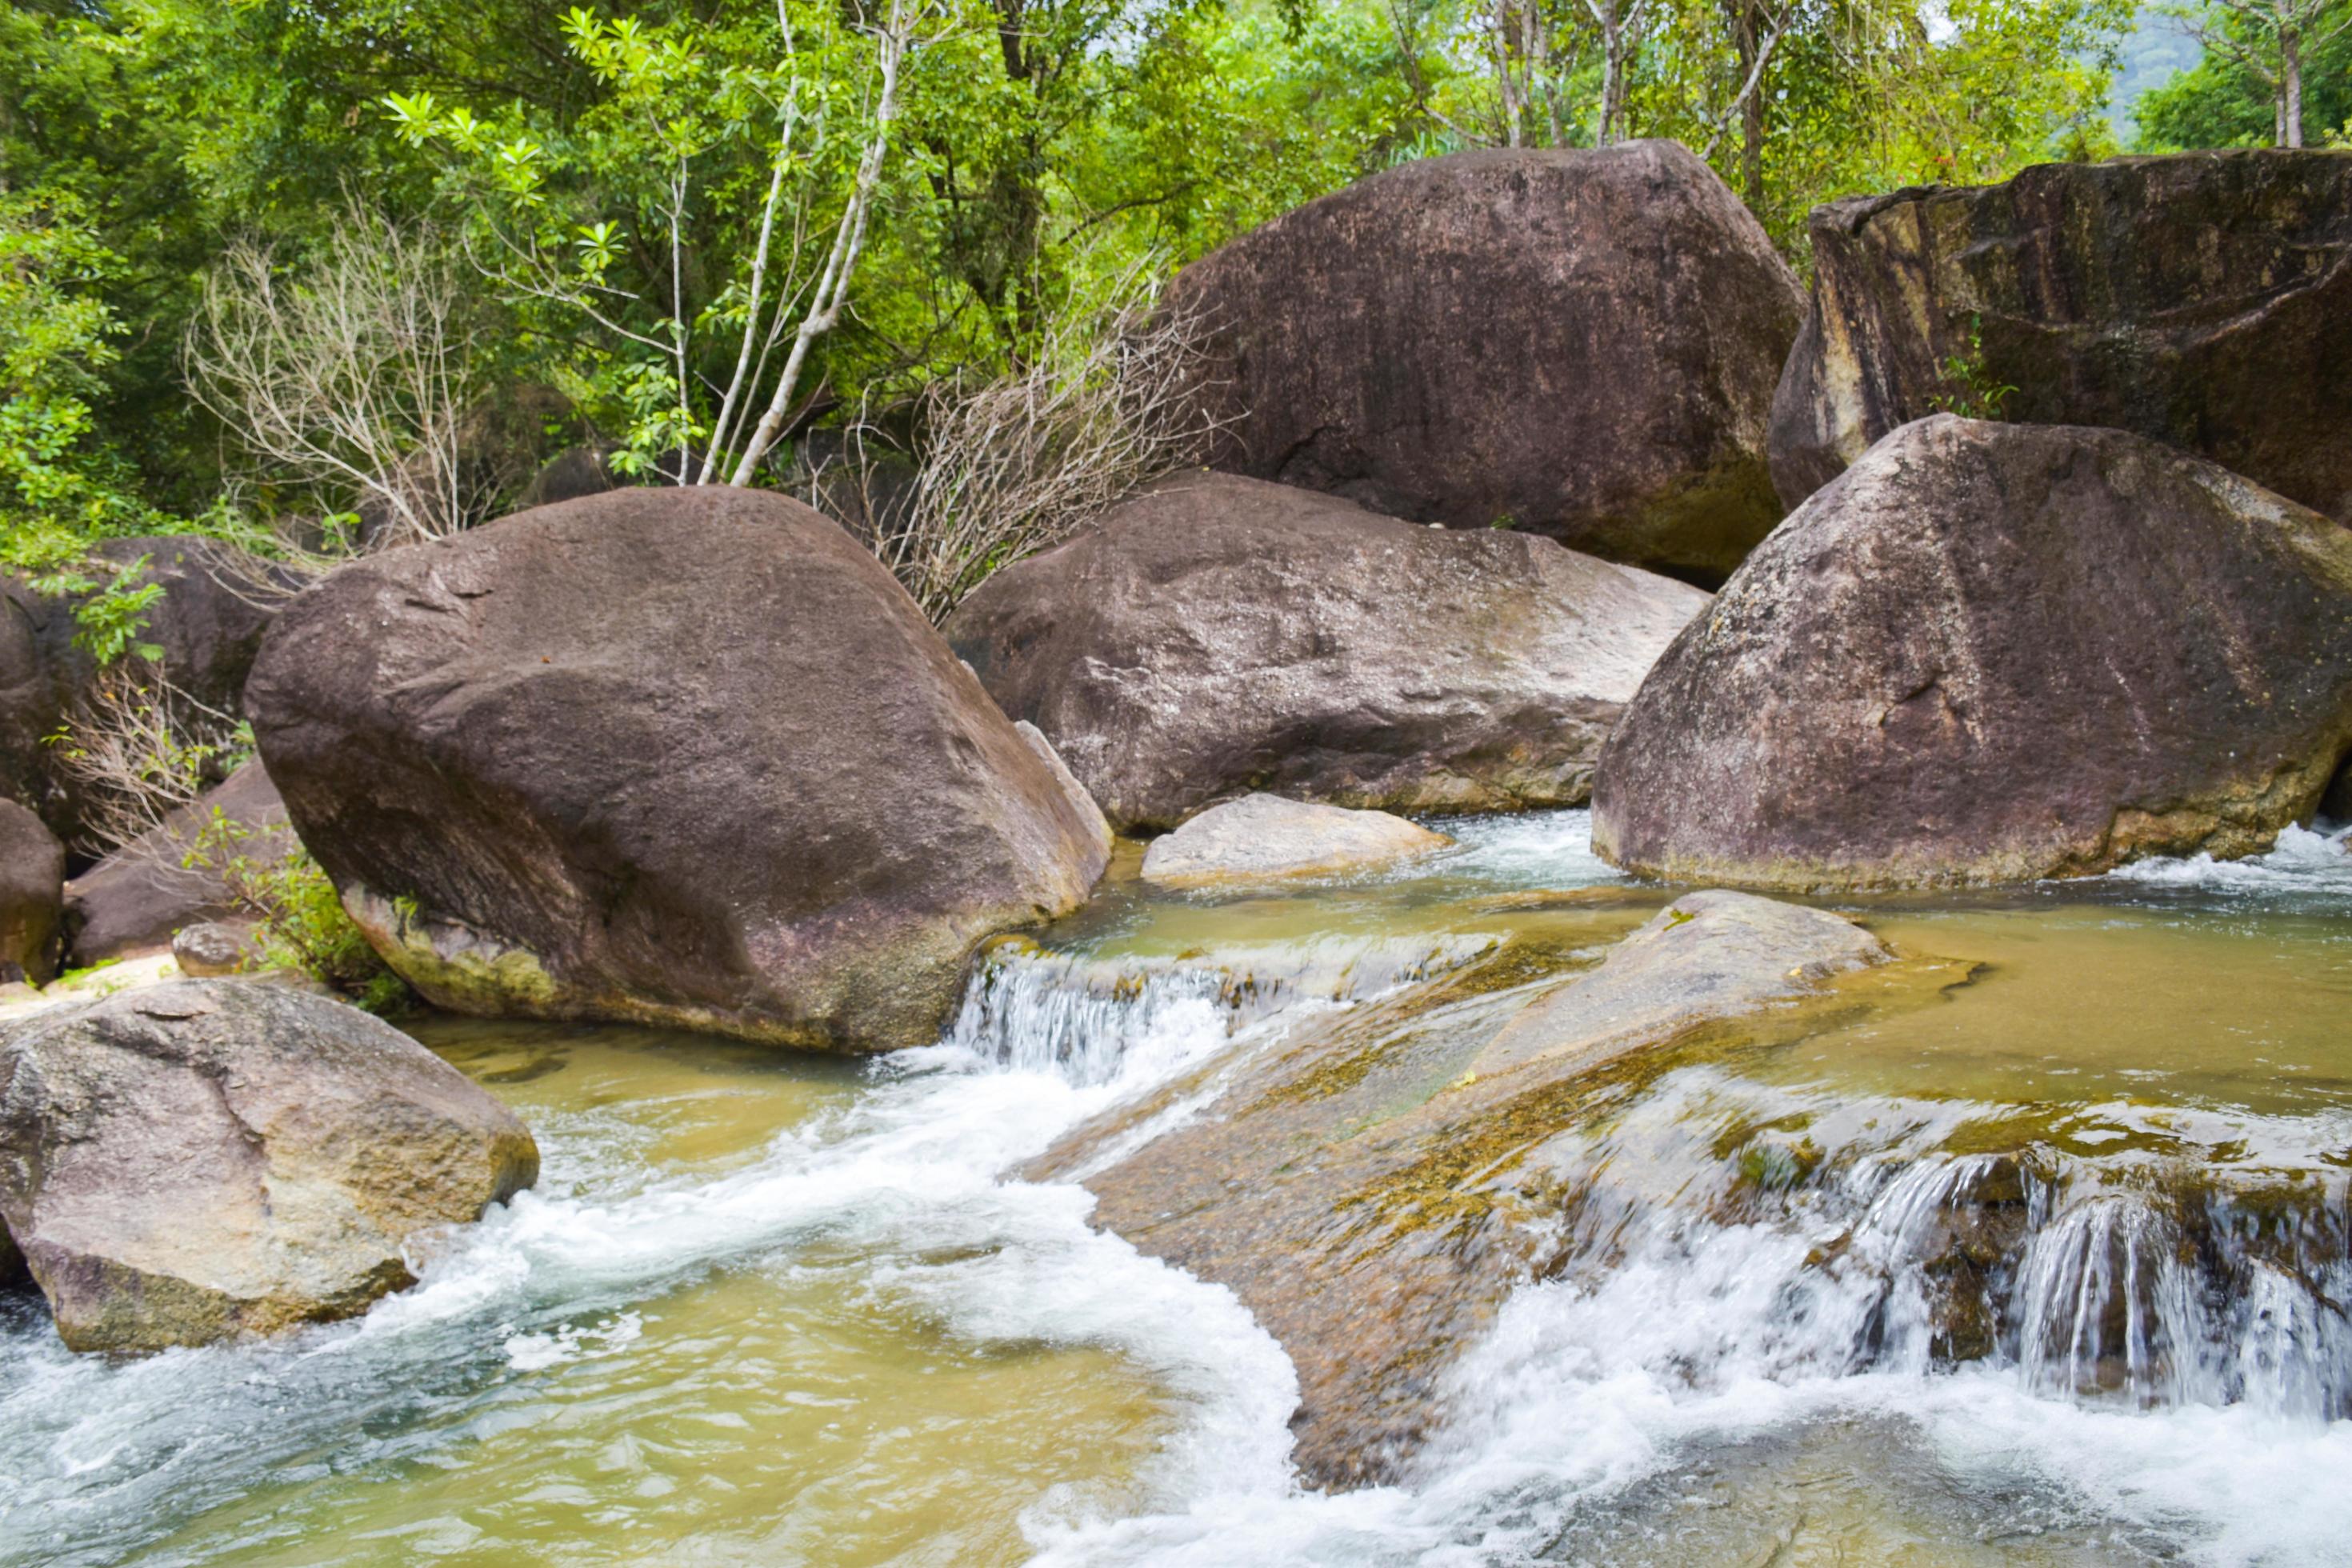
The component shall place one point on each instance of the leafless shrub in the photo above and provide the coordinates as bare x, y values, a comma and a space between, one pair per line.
1111, 401
135, 748
355, 381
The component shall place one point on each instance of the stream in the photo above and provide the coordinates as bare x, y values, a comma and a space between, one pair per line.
2053, 1267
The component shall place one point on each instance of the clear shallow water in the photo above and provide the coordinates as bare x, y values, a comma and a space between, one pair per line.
766, 1310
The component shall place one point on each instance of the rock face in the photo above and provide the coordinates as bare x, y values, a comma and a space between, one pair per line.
1373, 1192
138, 896
191, 1162
1261, 836
32, 894
205, 951
2204, 301
687, 757
1215, 635
1584, 343
1992, 653
209, 624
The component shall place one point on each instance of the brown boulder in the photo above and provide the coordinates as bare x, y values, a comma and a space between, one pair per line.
31, 895
682, 756
1219, 635
1375, 1190
1993, 653
1261, 836
138, 896
2203, 300
1580, 343
187, 1163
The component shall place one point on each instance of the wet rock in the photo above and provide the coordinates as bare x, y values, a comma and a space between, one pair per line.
1216, 635
31, 895
2204, 301
678, 756
1994, 653
216, 606
1373, 1191
1264, 835
209, 1158
138, 896
1577, 343
205, 951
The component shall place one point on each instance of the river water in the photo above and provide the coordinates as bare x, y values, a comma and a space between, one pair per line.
2053, 1269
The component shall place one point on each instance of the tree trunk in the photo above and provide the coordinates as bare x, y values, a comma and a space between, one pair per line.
1751, 109
2289, 88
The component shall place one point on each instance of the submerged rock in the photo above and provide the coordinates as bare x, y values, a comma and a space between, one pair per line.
1373, 1191
1577, 343
1261, 836
1994, 653
138, 896
31, 895
1215, 635
2204, 301
204, 1159
676, 756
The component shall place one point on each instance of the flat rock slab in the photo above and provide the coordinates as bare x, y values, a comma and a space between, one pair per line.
1994, 653
1374, 1188
197, 1160
1215, 636
1264, 835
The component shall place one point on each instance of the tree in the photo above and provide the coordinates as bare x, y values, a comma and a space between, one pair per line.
2272, 42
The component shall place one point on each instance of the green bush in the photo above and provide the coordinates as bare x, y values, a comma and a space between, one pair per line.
303, 924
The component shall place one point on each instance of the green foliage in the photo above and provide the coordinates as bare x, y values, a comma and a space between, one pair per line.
2220, 103
1969, 389
303, 924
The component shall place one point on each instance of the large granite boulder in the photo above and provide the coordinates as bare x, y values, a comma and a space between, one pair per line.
2204, 301
1261, 836
678, 756
1373, 1189
191, 1162
31, 895
165, 878
1581, 344
216, 606
1992, 653
1217, 635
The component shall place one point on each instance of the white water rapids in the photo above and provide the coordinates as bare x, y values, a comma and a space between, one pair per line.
2169, 1378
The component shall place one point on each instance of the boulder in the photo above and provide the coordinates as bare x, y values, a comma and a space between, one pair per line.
218, 603
1263, 836
141, 894
2203, 300
678, 756
1993, 653
1215, 636
204, 1159
1373, 1189
1577, 343
206, 950
31, 895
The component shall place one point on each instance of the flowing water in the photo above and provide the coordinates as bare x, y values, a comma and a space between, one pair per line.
2051, 1269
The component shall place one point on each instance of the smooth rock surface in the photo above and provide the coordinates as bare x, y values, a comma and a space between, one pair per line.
206, 950
2202, 299
1263, 836
1582, 342
196, 1161
685, 757
138, 896
1995, 653
1374, 1190
31, 895
1215, 635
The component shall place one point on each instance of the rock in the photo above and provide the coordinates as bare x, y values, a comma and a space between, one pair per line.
1374, 1190
679, 756
1261, 836
206, 950
31, 895
216, 606
2204, 301
1577, 343
2336, 803
210, 1158
571, 473
138, 896
1215, 636
1994, 653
